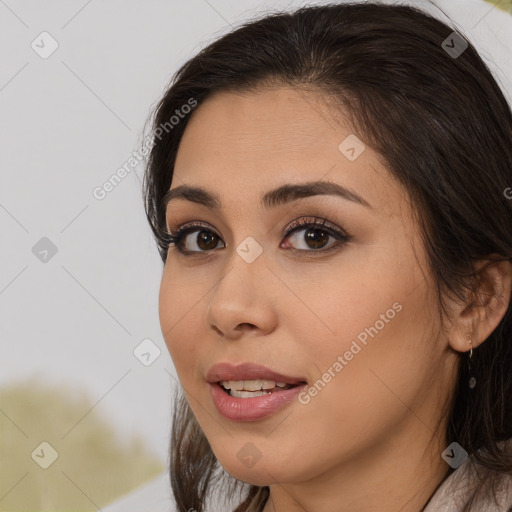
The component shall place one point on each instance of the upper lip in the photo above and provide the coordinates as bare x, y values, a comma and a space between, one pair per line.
247, 371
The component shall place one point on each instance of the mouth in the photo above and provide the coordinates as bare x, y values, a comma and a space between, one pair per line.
253, 399
247, 380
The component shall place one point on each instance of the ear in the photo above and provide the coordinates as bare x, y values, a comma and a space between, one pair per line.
483, 310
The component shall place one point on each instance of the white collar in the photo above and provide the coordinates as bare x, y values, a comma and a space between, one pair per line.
458, 487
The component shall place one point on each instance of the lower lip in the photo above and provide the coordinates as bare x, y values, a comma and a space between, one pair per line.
251, 409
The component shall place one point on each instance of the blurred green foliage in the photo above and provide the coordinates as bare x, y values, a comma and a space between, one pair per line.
94, 465
505, 5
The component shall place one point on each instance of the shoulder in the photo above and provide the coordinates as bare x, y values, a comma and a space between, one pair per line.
457, 489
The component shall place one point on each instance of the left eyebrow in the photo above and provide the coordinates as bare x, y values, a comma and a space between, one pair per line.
276, 197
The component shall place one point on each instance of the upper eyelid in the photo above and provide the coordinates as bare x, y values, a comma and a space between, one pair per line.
195, 225
292, 225
320, 223
312, 220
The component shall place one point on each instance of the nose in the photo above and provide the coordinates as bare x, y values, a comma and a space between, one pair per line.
242, 302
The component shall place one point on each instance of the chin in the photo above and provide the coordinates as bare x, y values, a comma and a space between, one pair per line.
261, 473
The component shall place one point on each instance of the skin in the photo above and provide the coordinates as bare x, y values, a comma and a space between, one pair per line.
366, 441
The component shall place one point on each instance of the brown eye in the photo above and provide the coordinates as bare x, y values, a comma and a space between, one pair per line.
314, 236
204, 240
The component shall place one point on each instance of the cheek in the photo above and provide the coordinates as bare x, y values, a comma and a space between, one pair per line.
180, 321
380, 300
331, 309
382, 335
372, 317
347, 294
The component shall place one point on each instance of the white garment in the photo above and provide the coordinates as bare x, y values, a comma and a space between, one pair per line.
455, 491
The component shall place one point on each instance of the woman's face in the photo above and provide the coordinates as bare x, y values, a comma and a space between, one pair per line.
354, 318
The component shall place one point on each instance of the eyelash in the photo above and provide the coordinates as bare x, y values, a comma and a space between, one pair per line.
341, 236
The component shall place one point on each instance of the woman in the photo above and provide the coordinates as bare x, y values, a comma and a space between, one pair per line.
328, 190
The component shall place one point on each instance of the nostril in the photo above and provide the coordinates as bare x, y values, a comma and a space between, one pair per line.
246, 324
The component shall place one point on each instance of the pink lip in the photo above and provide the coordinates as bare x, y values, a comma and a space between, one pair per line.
255, 408
251, 409
247, 371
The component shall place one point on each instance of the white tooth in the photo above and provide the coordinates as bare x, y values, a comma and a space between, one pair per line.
225, 383
257, 384
281, 384
268, 384
247, 394
252, 385
236, 384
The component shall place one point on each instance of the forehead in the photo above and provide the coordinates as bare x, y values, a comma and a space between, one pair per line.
269, 122
241, 144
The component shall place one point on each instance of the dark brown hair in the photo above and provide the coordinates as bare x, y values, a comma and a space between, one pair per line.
444, 130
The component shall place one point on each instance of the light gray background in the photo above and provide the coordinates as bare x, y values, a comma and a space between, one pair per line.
67, 124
